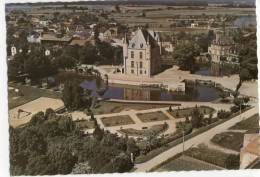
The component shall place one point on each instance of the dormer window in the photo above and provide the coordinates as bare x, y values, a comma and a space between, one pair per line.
133, 45
141, 45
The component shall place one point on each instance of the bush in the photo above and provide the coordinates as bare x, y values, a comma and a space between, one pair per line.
222, 114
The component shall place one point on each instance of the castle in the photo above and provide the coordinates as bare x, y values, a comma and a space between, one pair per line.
222, 50
142, 54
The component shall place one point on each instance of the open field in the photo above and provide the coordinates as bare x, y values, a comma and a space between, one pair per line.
113, 107
230, 140
180, 113
117, 120
152, 116
186, 163
216, 157
27, 94
154, 128
250, 123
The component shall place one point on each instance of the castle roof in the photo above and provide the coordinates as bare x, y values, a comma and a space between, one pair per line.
143, 37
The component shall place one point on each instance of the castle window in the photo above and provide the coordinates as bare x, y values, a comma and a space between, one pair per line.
132, 54
141, 72
132, 71
141, 55
132, 64
141, 64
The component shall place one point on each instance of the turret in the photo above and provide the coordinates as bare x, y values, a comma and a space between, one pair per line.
125, 51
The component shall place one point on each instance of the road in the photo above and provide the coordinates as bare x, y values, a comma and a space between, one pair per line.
147, 166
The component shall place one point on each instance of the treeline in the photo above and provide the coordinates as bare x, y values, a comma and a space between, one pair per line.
38, 66
51, 144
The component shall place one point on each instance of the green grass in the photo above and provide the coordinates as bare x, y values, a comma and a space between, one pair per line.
117, 120
184, 163
219, 158
155, 128
248, 124
28, 93
152, 116
113, 107
181, 113
229, 140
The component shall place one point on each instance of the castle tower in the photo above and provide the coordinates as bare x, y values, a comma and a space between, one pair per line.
142, 54
125, 52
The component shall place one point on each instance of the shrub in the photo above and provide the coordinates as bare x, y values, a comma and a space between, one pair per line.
222, 114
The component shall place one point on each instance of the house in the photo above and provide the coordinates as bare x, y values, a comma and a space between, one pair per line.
194, 25
222, 50
142, 54
168, 46
250, 152
53, 38
34, 37
110, 33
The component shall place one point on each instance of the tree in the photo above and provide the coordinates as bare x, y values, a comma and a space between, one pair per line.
98, 133
88, 54
185, 54
196, 118
73, 95
248, 60
132, 147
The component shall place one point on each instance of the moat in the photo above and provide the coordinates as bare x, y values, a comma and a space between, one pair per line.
126, 92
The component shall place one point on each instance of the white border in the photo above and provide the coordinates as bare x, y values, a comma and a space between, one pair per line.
4, 143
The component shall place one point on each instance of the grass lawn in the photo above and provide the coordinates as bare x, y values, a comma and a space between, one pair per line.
180, 113
202, 152
155, 128
152, 116
113, 107
230, 140
28, 94
185, 163
84, 124
248, 124
117, 120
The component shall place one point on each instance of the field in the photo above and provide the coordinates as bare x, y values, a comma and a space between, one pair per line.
152, 116
155, 128
250, 123
113, 107
230, 140
27, 94
116, 121
181, 113
185, 163
202, 152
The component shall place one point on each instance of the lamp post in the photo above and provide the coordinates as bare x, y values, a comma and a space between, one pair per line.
183, 139
241, 108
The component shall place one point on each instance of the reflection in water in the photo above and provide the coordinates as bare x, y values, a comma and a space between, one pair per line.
196, 93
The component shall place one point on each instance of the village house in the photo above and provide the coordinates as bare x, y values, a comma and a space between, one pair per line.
249, 153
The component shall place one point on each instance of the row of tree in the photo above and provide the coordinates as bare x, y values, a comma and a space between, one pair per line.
51, 144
